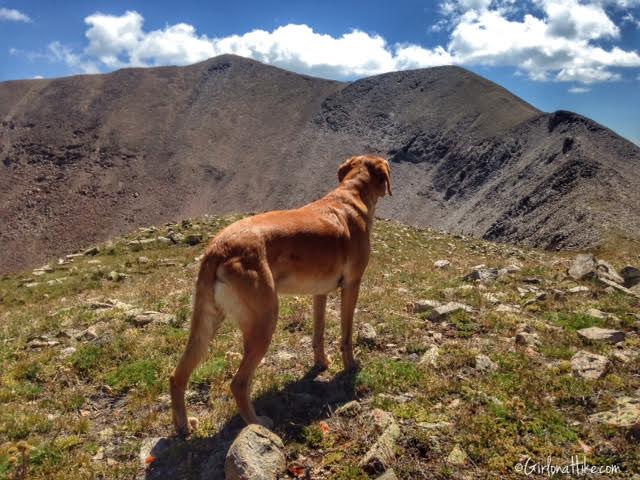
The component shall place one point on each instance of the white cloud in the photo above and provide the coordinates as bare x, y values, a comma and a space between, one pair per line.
13, 15
557, 40
579, 90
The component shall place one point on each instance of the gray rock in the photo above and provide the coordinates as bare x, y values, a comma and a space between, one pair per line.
482, 274
508, 309
631, 276
367, 334
457, 456
423, 305
527, 339
388, 475
92, 251
256, 454
583, 266
140, 319
484, 364
442, 312
589, 365
625, 415
67, 352
349, 409
193, 239
606, 270
579, 289
382, 454
430, 357
597, 334
442, 263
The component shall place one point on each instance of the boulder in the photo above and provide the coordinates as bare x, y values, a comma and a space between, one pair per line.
482, 274
606, 270
484, 364
457, 456
442, 312
142, 318
382, 453
256, 454
367, 335
583, 266
589, 365
597, 334
527, 339
631, 276
626, 414
430, 357
423, 306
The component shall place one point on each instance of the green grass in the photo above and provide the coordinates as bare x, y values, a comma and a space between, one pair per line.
112, 392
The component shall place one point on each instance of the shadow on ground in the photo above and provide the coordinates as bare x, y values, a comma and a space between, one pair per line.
297, 405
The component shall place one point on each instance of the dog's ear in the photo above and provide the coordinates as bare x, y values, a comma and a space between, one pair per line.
381, 170
345, 168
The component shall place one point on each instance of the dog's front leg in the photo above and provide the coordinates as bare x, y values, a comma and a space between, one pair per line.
321, 361
348, 305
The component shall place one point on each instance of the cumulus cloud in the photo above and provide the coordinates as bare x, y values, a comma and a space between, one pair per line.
554, 40
13, 15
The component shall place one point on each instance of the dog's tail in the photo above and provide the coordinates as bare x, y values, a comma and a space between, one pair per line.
205, 321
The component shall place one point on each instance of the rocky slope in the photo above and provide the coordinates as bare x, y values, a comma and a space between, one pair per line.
87, 157
474, 357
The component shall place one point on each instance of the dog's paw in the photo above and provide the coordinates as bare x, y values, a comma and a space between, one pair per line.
322, 364
193, 424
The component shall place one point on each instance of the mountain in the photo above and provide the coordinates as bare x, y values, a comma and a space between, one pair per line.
88, 157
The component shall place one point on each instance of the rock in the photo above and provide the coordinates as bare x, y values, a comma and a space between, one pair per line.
116, 276
434, 425
176, 237
388, 475
482, 274
606, 270
442, 312
140, 319
508, 270
626, 414
152, 447
634, 292
90, 252
430, 357
423, 306
457, 456
594, 312
583, 266
256, 454
589, 365
67, 352
367, 335
349, 409
625, 355
579, 289
631, 276
382, 454
42, 341
143, 260
527, 339
597, 334
193, 239
491, 298
484, 364
508, 309
442, 263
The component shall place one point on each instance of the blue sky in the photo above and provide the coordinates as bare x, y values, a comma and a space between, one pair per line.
580, 55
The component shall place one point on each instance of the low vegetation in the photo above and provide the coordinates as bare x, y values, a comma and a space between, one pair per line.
83, 384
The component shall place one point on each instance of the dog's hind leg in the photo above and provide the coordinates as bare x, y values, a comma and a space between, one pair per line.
321, 361
205, 321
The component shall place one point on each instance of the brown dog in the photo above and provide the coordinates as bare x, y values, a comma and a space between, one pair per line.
311, 250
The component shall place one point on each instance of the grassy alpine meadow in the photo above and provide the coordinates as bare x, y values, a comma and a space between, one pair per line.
87, 344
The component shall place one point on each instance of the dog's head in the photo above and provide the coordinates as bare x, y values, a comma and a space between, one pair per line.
377, 167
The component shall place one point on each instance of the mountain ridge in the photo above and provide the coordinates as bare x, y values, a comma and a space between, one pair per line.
88, 157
